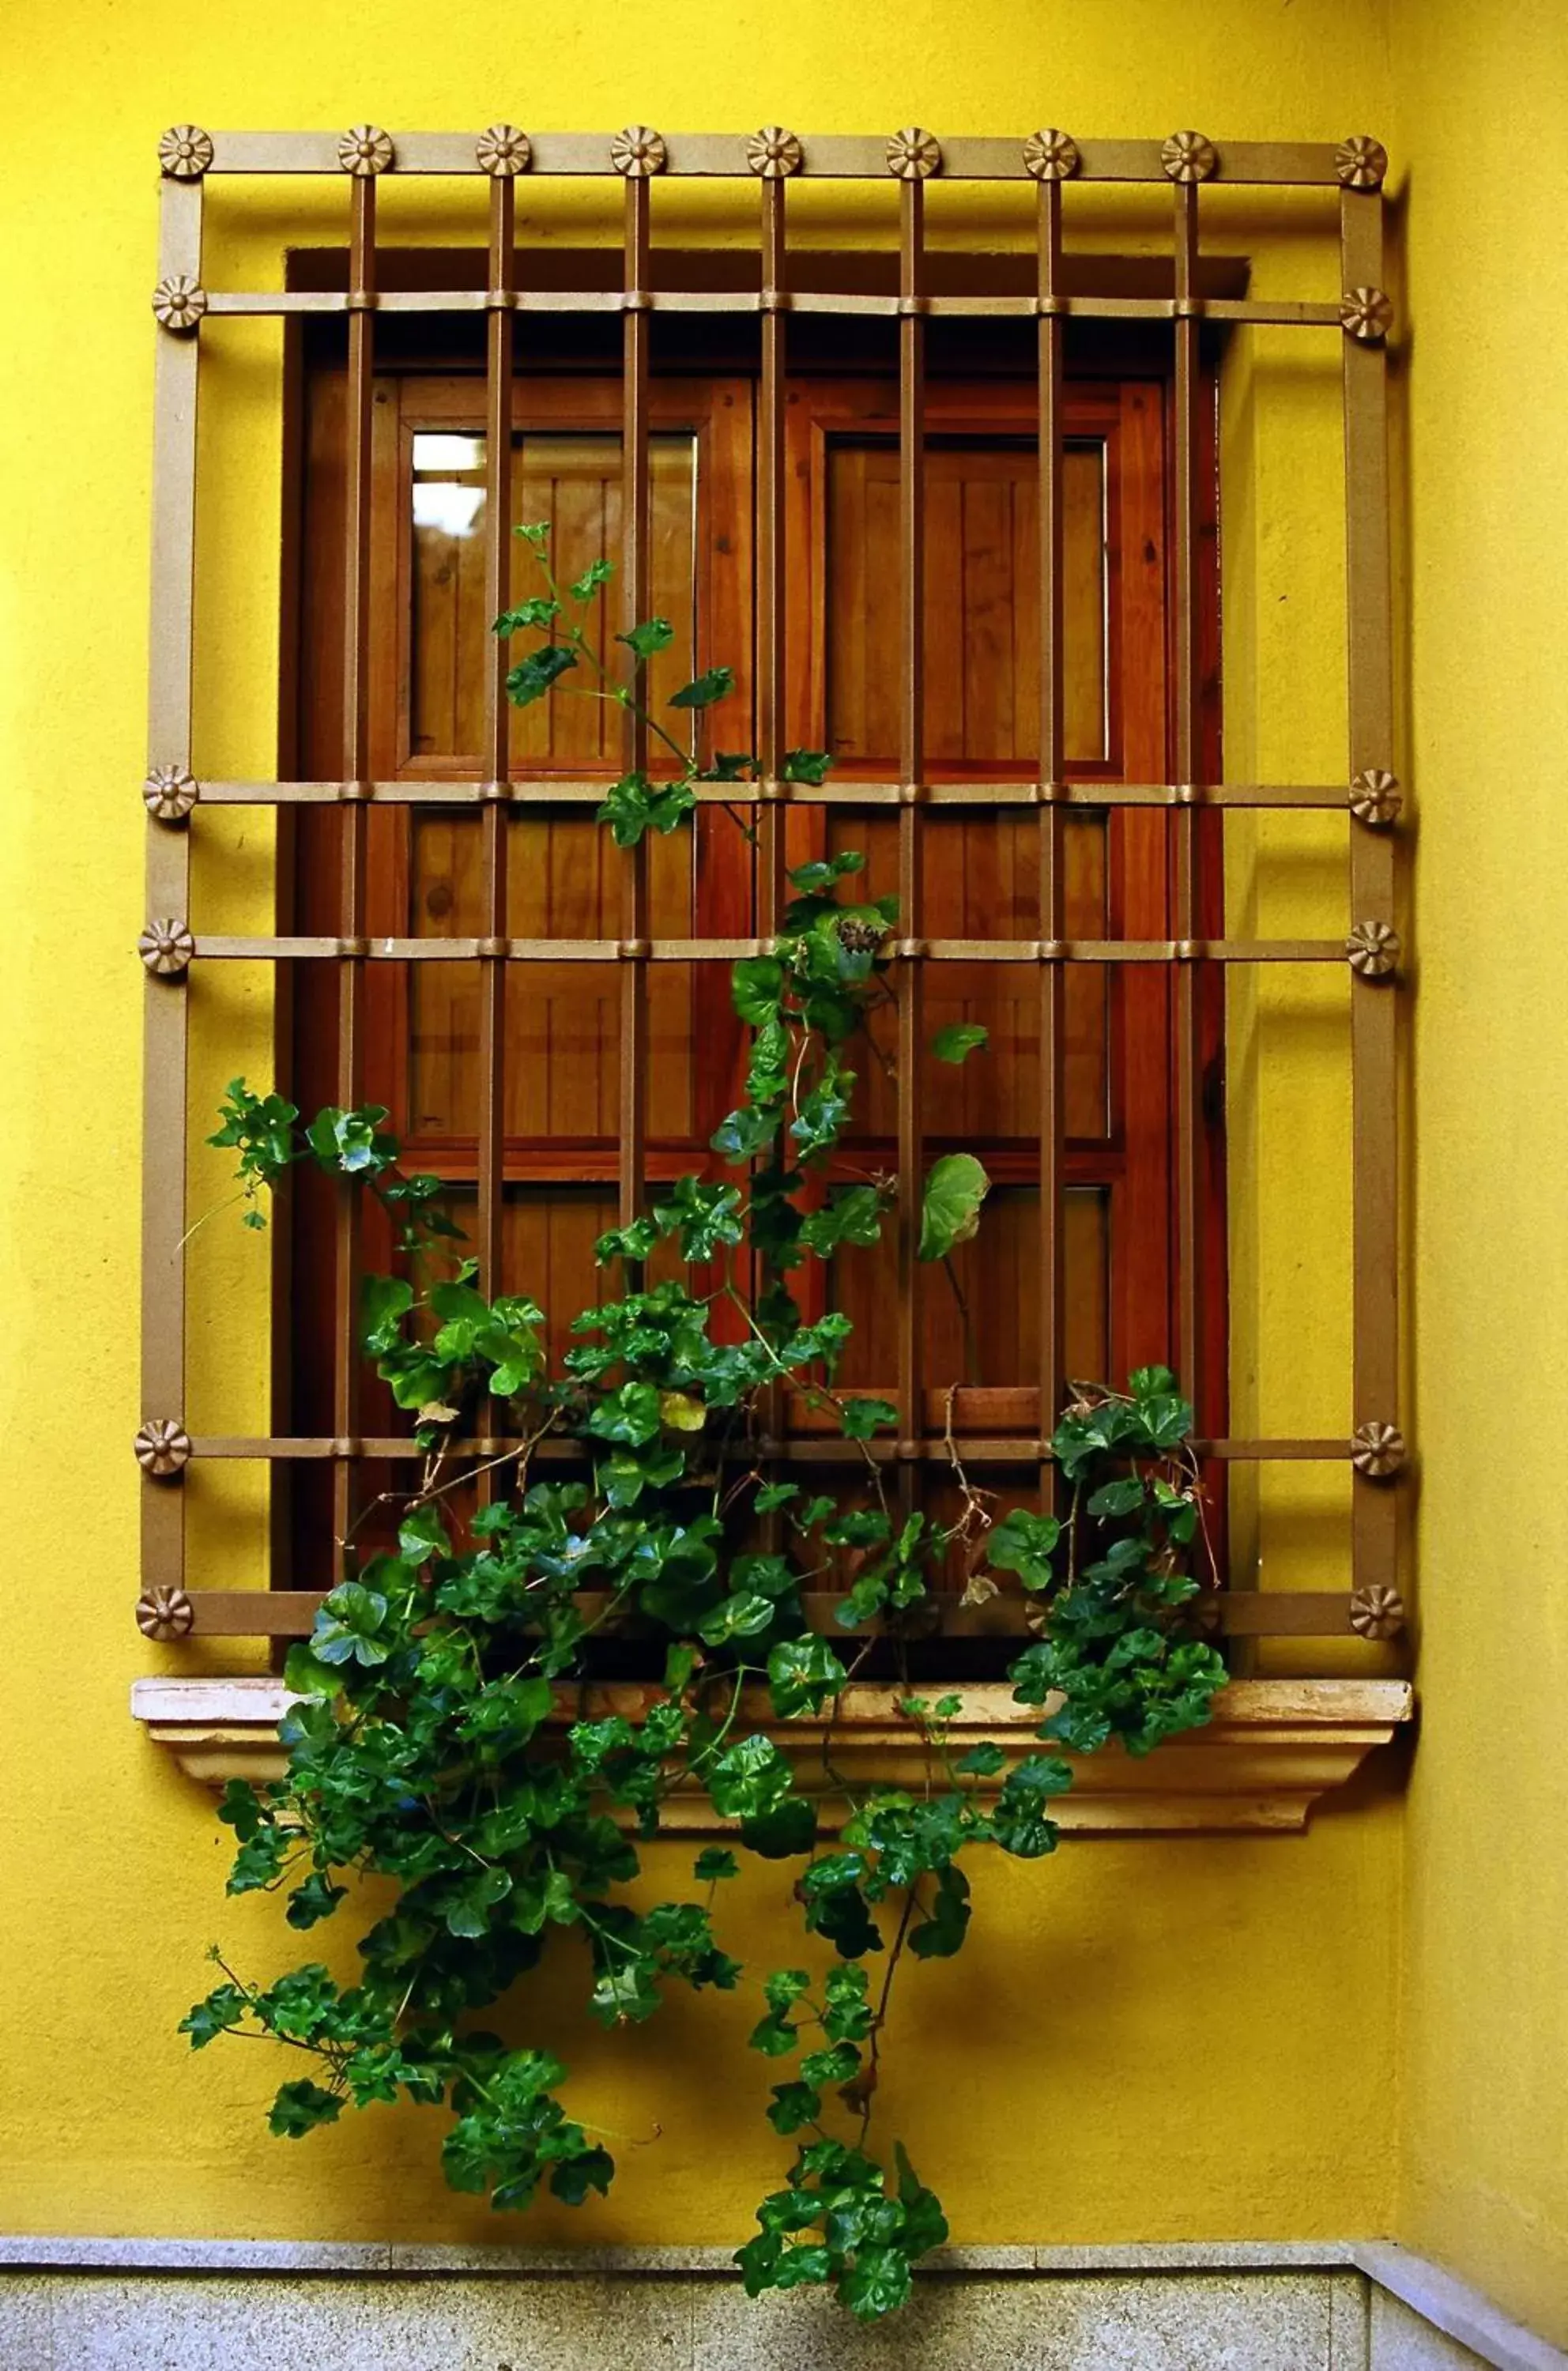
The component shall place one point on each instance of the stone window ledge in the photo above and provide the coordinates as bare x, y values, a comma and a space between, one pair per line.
1273, 1748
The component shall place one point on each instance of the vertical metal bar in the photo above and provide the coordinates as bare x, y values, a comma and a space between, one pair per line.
165, 1029
771, 680
911, 761
636, 579
1052, 920
497, 758
770, 587
1373, 1013
354, 824
491, 1118
1188, 761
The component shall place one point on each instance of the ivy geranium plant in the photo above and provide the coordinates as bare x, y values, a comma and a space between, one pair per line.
432, 1743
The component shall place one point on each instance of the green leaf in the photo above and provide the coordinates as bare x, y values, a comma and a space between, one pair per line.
729, 765
801, 2267
858, 1526
746, 1132
626, 1994
705, 689
802, 1672
750, 1780
349, 1627
925, 2224
958, 1040
422, 1534
635, 805
713, 1862
469, 1904
633, 1241
950, 1213
877, 2282
837, 2063
783, 1987
1019, 1822
315, 1898
574, 2177
706, 1215
853, 1215
653, 634
532, 677
1022, 1543
300, 2107
859, 1419
832, 1874
538, 533
940, 1934
540, 613
782, 1833
757, 986
807, 766
304, 1676
260, 1129
741, 1616
352, 1143
847, 2014
812, 879
982, 1760
217, 2013
773, 2036
630, 1415
1121, 1498
597, 573
794, 2104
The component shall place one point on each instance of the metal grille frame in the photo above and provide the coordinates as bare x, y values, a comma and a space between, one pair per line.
769, 160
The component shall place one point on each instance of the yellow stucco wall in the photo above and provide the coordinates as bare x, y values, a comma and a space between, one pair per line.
1146, 2040
1482, 108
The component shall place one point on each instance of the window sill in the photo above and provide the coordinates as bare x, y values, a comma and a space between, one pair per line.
1273, 1748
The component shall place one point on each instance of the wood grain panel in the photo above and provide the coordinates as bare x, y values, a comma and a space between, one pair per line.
982, 601
997, 1275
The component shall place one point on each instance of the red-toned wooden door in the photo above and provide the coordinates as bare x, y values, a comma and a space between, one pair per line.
981, 862
980, 859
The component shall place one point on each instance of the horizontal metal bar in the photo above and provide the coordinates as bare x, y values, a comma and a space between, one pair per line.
1021, 1447
259, 303
1251, 1614
967, 950
471, 791
831, 156
1131, 950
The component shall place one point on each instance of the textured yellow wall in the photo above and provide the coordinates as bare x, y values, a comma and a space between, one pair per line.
1482, 111
1154, 2040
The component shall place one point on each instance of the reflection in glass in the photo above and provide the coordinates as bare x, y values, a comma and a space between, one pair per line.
572, 479
564, 875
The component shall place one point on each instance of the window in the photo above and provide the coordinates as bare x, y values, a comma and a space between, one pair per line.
980, 853
839, 493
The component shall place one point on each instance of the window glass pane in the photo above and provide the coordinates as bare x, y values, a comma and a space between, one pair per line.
565, 874
572, 481
982, 602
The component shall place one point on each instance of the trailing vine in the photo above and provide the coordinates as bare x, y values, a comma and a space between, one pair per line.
432, 1741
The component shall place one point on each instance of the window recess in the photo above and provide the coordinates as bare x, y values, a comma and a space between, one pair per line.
958, 519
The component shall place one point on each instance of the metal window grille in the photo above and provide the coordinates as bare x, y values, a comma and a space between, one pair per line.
772, 159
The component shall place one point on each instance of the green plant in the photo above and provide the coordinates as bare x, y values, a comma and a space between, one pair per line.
431, 1746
